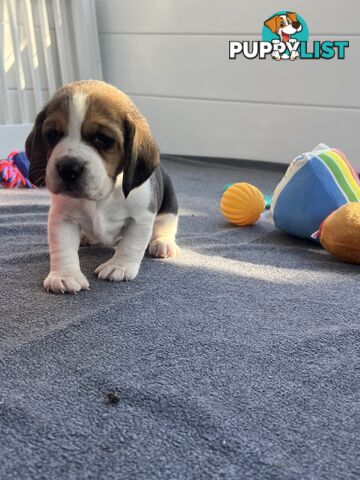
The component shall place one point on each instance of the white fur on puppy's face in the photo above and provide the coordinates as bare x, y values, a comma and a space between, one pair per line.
289, 29
95, 183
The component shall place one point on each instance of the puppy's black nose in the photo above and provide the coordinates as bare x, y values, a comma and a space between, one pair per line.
70, 169
296, 25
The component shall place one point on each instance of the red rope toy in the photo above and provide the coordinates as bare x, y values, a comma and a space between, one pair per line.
14, 171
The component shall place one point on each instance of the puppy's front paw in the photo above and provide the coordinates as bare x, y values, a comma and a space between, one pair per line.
163, 248
71, 282
276, 56
117, 270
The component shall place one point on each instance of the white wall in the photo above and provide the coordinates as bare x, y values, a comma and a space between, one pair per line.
171, 57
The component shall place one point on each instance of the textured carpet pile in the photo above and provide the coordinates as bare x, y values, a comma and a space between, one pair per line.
238, 360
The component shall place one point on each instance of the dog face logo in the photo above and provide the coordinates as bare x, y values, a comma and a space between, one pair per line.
287, 28
284, 25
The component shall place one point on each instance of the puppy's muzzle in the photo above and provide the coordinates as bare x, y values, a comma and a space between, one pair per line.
70, 170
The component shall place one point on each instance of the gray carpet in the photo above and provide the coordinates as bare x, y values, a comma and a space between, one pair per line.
239, 360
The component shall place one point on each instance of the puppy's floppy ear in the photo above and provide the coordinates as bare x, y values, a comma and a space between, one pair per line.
292, 16
36, 151
272, 24
141, 153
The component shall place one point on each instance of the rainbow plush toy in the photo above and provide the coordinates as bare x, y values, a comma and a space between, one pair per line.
311, 195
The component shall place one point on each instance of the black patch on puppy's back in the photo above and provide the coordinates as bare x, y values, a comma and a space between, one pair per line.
163, 198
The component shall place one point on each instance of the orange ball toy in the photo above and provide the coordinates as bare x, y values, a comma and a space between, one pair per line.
340, 233
242, 204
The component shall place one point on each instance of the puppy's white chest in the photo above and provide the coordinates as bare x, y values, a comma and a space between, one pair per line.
105, 221
107, 225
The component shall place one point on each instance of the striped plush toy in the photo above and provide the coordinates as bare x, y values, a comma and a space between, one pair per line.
14, 171
315, 185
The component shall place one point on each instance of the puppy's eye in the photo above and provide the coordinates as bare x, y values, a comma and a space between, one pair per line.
289, 21
103, 141
282, 23
53, 136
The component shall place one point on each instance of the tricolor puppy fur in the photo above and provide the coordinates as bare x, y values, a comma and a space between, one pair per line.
95, 152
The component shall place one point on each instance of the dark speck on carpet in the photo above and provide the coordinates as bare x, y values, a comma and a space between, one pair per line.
238, 360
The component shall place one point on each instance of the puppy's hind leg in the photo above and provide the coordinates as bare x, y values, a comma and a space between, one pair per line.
163, 243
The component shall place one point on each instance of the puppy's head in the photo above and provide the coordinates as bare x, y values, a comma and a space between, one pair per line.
284, 25
86, 136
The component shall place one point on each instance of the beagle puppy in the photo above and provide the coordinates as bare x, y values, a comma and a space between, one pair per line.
284, 26
94, 151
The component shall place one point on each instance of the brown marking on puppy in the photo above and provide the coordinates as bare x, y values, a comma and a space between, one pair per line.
36, 151
293, 18
103, 118
57, 116
53, 117
142, 155
134, 152
274, 23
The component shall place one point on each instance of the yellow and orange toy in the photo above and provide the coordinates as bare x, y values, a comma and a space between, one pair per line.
242, 204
